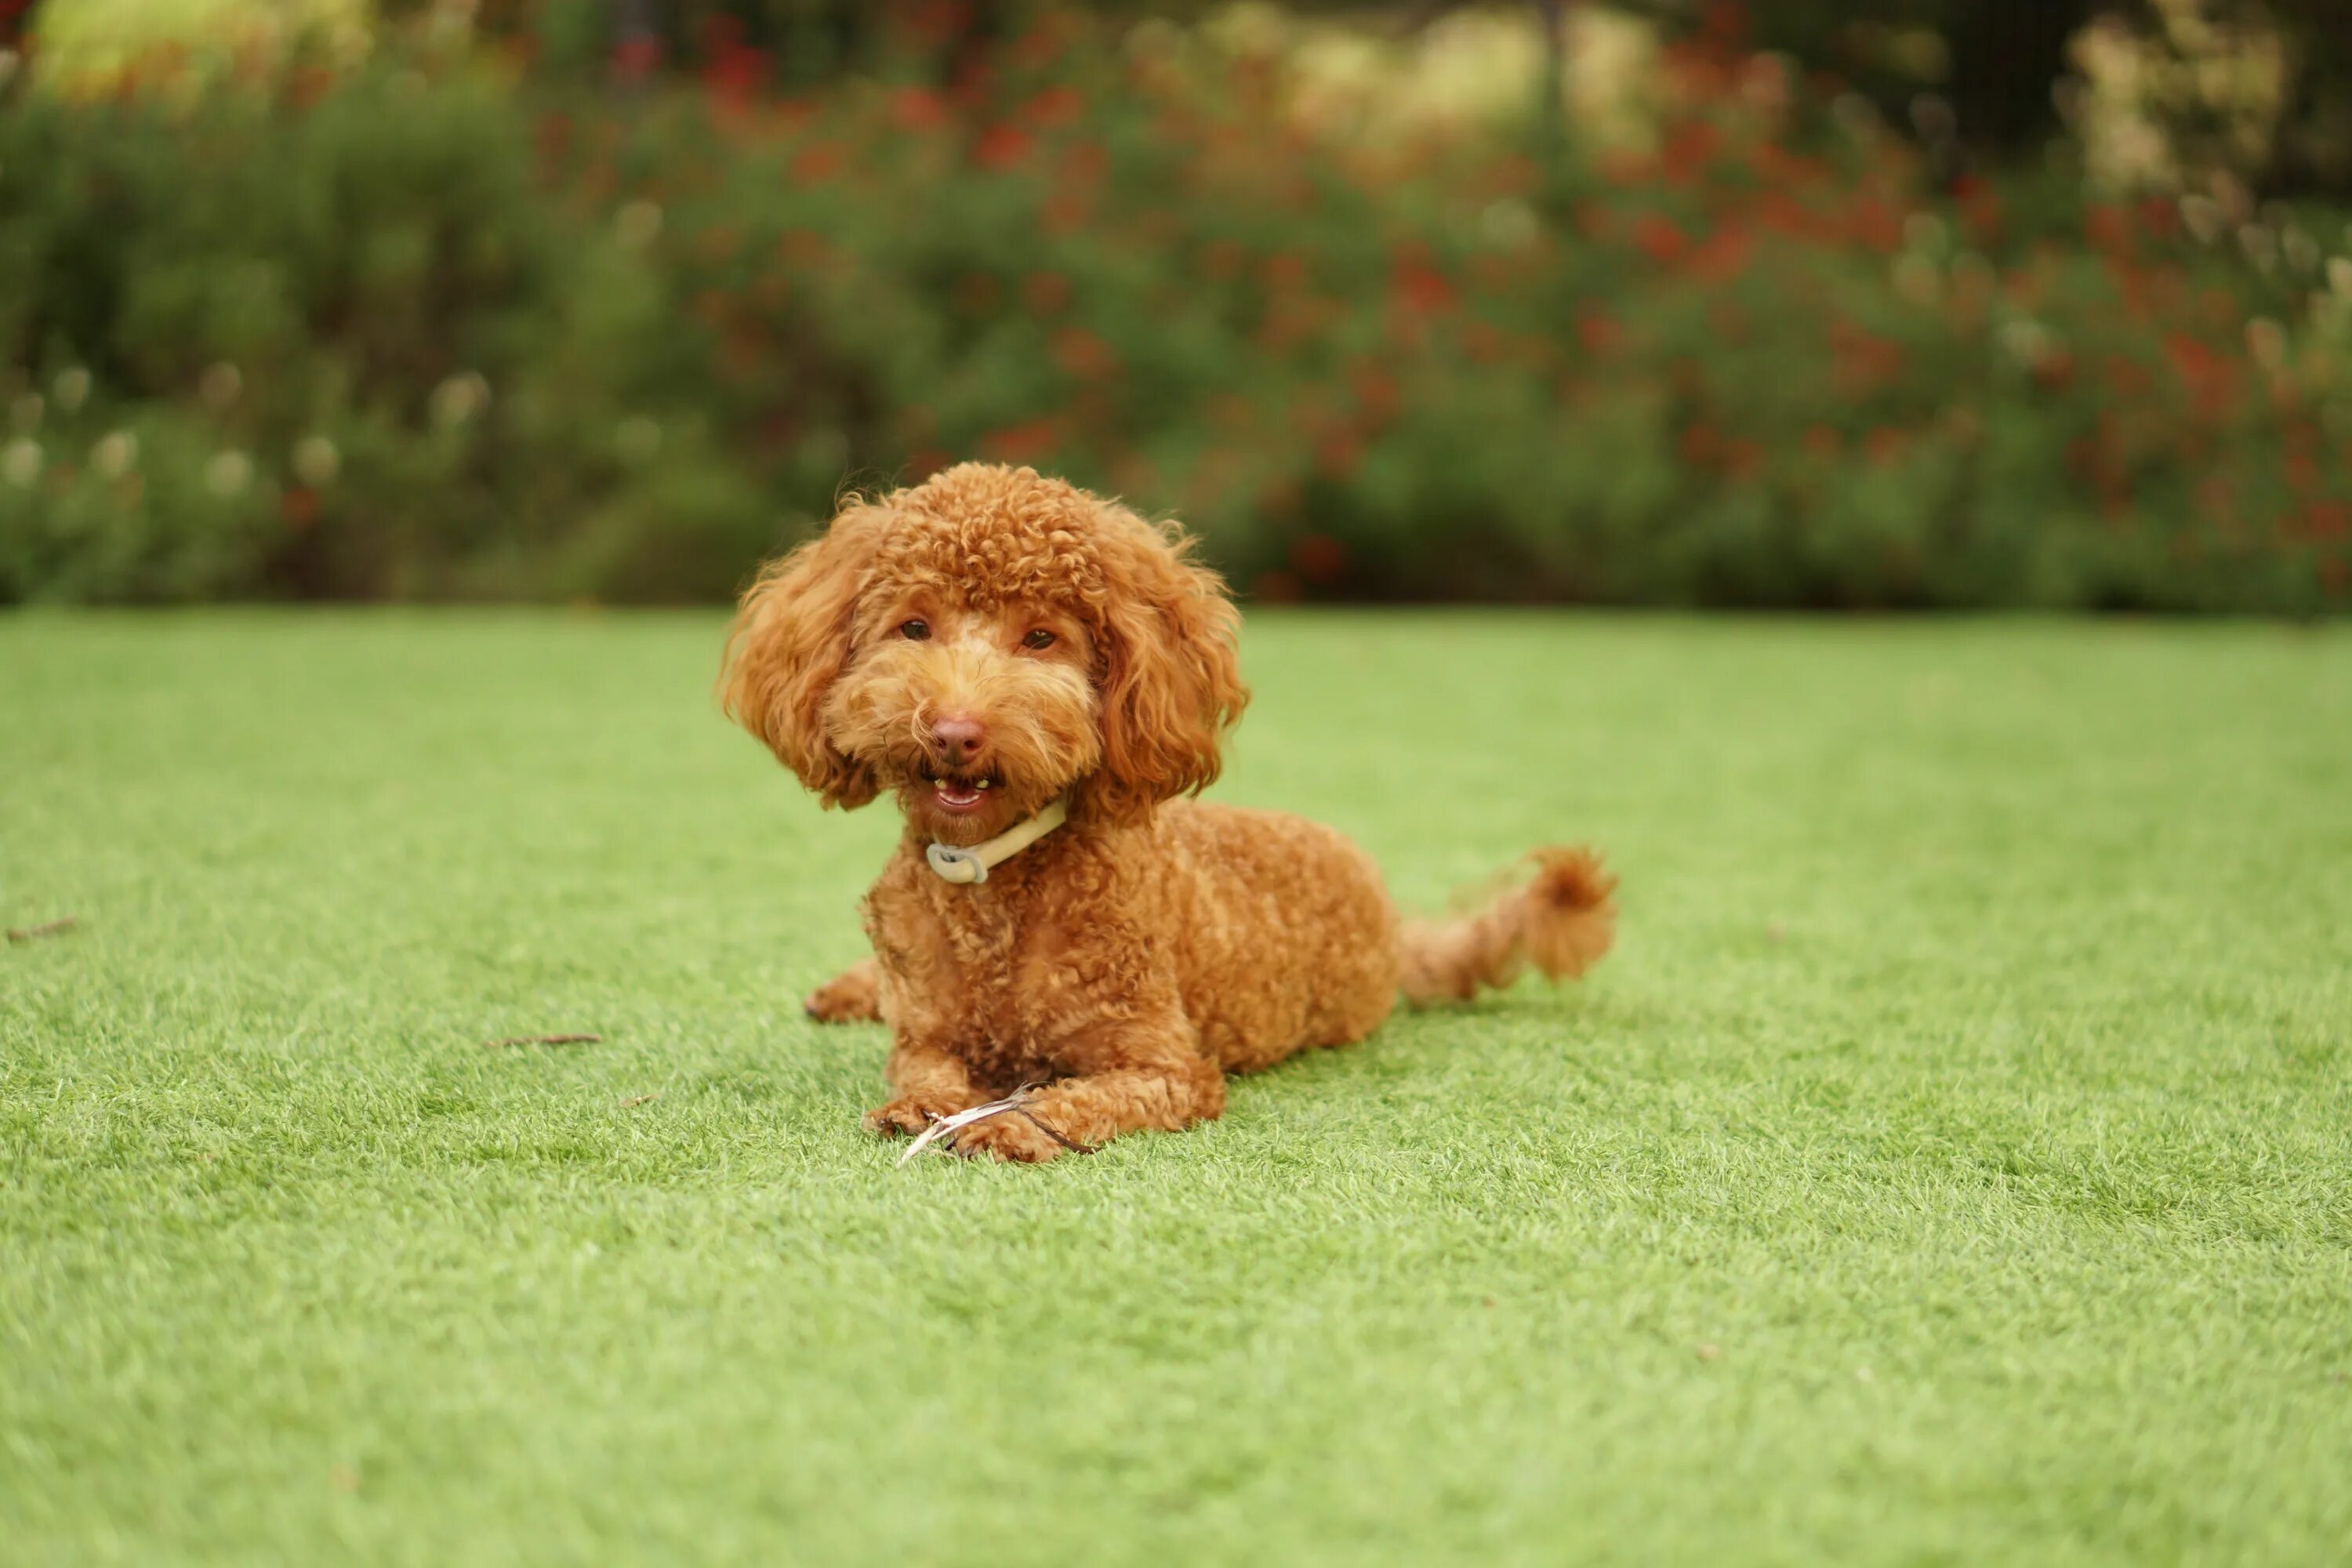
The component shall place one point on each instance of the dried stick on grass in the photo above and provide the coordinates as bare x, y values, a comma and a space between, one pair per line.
1014, 1104
946, 1125
52, 927
543, 1040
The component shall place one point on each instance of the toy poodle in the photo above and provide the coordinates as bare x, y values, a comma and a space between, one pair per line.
1041, 677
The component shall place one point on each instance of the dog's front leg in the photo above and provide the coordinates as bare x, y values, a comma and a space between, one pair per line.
925, 1081
1142, 1078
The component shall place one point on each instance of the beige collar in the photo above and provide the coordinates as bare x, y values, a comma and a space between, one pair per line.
955, 863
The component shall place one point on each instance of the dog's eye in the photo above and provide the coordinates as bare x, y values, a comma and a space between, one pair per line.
1041, 637
915, 631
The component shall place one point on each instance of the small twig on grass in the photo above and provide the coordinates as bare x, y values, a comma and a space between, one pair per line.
35, 934
639, 1099
946, 1126
543, 1040
1014, 1104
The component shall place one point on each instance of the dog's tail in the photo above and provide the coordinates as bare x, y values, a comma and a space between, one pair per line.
1562, 921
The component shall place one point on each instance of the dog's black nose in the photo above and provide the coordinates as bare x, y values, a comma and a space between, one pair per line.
960, 739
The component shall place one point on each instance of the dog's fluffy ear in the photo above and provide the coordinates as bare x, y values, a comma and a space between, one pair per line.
1169, 679
789, 644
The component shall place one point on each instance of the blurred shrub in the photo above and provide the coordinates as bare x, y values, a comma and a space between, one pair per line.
2192, 94
2166, 91
416, 331
93, 46
1989, 63
390, 356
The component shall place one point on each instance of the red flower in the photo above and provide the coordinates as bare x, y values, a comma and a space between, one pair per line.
554, 131
736, 76
1054, 106
1783, 213
1084, 356
1044, 293
1980, 209
1221, 260
1689, 148
1039, 48
1066, 212
1724, 255
2107, 226
1659, 239
918, 108
1421, 287
1863, 359
1284, 270
1339, 453
1623, 167
1083, 163
1599, 335
1377, 392
731, 70
1725, 23
938, 22
1001, 147
1026, 443
637, 57
816, 163
1777, 165
1873, 223
2055, 372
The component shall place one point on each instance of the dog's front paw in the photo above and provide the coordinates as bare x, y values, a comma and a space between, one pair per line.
1010, 1137
907, 1116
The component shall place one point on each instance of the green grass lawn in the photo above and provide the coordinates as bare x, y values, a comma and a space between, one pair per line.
1953, 1164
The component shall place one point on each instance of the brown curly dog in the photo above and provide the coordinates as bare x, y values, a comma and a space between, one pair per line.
998, 648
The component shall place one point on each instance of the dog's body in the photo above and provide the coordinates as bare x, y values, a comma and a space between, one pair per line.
990, 642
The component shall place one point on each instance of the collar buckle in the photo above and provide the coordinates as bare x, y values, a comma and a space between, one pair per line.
963, 866
955, 864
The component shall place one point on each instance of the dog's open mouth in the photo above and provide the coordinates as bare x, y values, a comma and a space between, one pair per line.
959, 793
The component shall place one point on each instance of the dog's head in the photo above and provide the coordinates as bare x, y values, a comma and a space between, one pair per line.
983, 643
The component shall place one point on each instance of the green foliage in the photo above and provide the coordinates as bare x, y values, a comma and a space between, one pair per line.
367, 297
481, 336
1992, 61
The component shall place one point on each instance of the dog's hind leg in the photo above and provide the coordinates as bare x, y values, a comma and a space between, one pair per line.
854, 996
